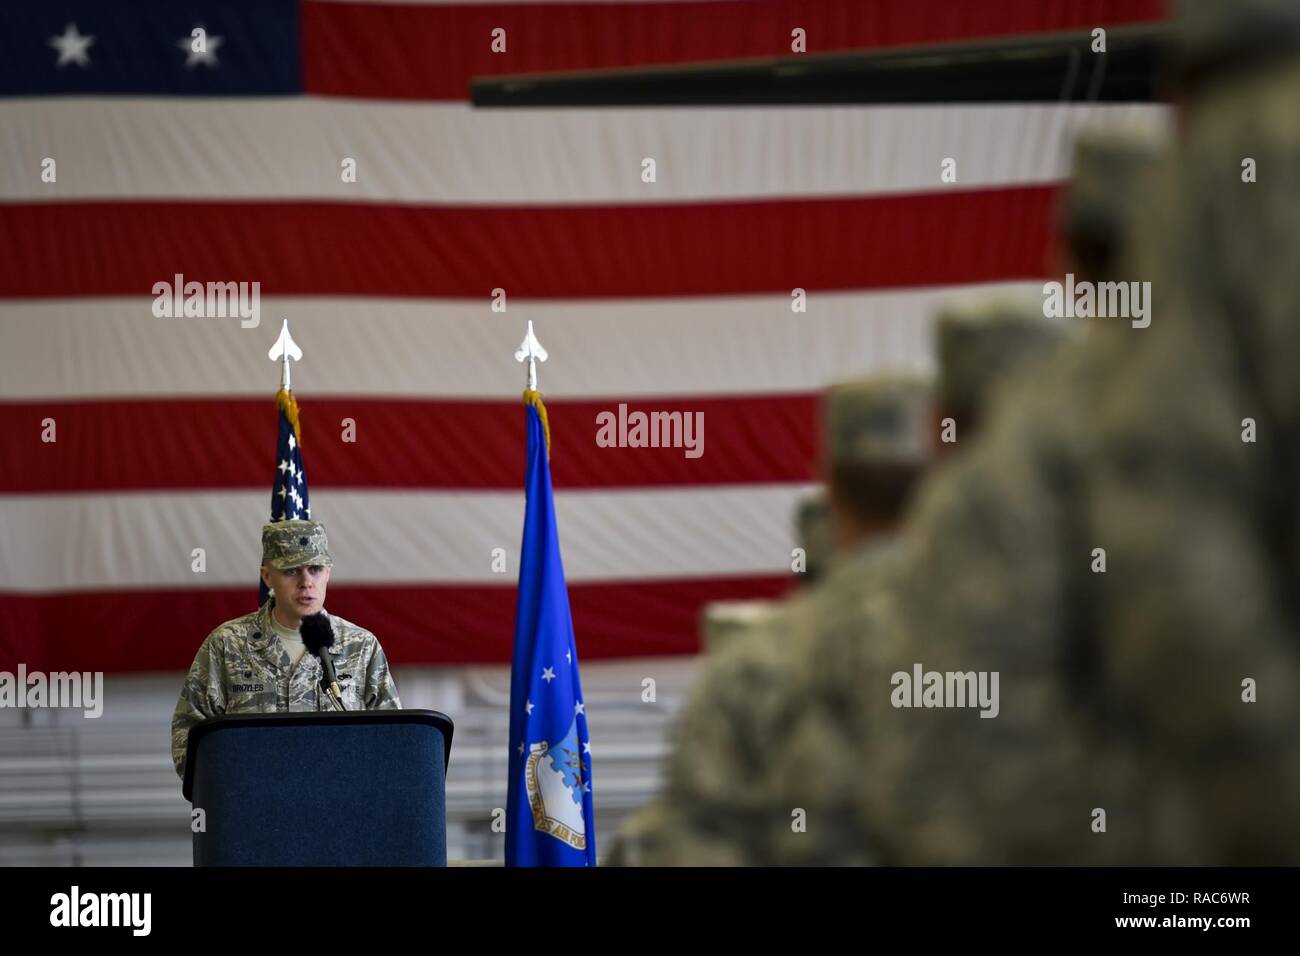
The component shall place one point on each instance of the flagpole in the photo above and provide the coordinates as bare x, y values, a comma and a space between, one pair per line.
550, 809
284, 349
289, 492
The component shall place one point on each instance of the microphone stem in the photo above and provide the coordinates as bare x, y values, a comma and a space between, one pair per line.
332, 692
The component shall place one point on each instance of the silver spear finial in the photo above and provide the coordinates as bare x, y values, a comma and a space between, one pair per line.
285, 348
531, 350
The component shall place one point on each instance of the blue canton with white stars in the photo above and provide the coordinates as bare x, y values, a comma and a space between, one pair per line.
289, 490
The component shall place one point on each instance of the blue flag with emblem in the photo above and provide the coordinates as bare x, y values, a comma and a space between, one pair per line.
289, 496
549, 815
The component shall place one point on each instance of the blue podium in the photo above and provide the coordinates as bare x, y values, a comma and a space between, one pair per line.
363, 788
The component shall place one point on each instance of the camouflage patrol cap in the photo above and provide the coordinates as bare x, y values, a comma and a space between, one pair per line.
982, 342
295, 544
723, 622
1219, 38
879, 420
1112, 175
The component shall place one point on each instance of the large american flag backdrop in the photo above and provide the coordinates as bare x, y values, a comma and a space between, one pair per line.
227, 165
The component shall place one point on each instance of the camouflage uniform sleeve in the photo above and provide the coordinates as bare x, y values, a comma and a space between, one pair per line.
381, 689
659, 835
985, 588
203, 695
714, 809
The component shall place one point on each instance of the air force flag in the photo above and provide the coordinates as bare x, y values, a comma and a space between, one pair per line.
549, 818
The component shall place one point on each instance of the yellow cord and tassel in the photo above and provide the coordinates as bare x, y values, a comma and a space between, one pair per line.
285, 401
534, 398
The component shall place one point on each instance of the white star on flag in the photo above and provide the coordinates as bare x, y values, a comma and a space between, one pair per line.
207, 56
72, 47
586, 747
548, 675
520, 748
579, 708
292, 443
528, 707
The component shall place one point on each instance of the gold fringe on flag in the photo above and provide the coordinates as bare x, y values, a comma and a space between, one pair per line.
534, 398
285, 401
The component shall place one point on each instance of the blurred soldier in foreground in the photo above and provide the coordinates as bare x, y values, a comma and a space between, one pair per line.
742, 704
877, 445
1116, 550
981, 343
957, 686
721, 622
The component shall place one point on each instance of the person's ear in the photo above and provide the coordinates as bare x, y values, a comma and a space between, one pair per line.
266, 577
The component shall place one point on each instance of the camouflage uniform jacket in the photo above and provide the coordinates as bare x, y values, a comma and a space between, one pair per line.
723, 803
242, 668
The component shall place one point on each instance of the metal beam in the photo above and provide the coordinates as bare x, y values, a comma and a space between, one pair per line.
1043, 68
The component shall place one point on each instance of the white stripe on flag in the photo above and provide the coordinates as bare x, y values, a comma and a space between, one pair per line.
449, 153
145, 540
115, 347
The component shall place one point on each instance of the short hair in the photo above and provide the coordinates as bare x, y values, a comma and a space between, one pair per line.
875, 491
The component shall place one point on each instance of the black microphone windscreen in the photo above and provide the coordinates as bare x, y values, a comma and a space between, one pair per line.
316, 632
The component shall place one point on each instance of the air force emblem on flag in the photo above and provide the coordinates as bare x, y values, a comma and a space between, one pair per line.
553, 779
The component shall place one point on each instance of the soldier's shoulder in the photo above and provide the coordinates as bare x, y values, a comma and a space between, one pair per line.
347, 632
235, 629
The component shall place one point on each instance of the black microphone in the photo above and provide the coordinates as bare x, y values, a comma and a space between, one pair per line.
318, 635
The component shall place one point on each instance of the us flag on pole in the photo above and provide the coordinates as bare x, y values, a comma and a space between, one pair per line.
289, 495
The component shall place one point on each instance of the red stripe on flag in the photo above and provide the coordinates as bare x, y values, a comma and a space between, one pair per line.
432, 52
118, 631
230, 443
947, 238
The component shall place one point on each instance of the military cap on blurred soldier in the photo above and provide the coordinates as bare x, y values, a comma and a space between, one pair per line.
722, 622
1221, 41
981, 344
876, 446
1109, 179
259, 663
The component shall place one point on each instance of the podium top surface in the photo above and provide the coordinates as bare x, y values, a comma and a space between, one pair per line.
212, 725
